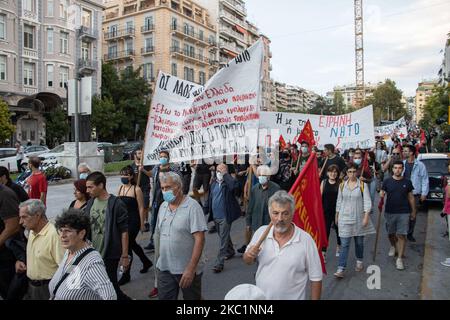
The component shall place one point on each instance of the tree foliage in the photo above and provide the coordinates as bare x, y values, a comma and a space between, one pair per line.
57, 126
105, 118
6, 126
386, 101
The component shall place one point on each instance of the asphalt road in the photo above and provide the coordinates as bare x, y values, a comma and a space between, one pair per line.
394, 284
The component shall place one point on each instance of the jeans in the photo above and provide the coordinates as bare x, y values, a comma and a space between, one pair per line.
226, 246
345, 248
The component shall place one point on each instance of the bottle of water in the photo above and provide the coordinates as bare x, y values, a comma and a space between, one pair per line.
120, 272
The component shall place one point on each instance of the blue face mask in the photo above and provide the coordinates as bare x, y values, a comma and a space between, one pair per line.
124, 180
169, 196
263, 180
163, 161
357, 161
83, 176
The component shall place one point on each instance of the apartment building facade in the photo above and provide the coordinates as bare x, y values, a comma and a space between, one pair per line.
292, 98
176, 37
349, 93
43, 44
423, 92
235, 34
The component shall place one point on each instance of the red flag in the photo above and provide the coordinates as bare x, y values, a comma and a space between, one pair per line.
307, 135
282, 143
365, 171
308, 214
423, 139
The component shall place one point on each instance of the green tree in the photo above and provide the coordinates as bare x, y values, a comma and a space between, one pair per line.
386, 101
106, 118
338, 106
57, 126
6, 126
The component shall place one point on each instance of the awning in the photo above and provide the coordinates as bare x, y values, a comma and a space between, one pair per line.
240, 29
231, 53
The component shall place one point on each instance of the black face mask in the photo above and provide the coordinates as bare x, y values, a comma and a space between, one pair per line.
285, 156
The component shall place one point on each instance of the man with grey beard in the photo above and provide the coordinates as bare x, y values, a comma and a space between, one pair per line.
287, 258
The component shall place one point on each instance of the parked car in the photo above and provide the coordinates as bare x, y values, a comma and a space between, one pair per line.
101, 146
53, 154
131, 147
437, 168
35, 151
8, 159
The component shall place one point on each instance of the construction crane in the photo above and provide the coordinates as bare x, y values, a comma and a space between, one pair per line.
359, 54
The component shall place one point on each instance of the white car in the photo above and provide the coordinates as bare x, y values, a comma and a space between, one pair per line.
35, 151
53, 155
8, 159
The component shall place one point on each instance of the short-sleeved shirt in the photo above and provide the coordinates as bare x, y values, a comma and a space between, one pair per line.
38, 184
408, 169
337, 160
176, 231
18, 190
283, 273
44, 253
397, 195
9, 208
98, 216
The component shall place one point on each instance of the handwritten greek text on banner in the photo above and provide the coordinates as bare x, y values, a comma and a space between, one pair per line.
344, 131
399, 127
195, 122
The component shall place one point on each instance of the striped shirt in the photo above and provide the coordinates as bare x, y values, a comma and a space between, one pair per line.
87, 281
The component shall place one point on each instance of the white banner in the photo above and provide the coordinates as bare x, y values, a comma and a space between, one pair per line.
220, 119
344, 131
399, 128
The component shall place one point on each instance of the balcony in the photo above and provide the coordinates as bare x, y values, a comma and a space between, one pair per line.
30, 53
30, 15
235, 6
228, 46
185, 55
148, 50
112, 14
30, 90
270, 53
253, 29
187, 34
87, 33
231, 33
232, 19
121, 55
147, 4
86, 66
118, 34
148, 28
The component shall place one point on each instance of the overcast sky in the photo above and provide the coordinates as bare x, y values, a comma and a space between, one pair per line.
313, 41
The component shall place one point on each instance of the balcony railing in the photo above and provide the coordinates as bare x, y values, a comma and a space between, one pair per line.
29, 15
232, 33
87, 32
148, 50
147, 4
188, 33
188, 55
228, 46
235, 6
30, 53
87, 64
30, 90
233, 19
124, 33
148, 28
119, 55
112, 14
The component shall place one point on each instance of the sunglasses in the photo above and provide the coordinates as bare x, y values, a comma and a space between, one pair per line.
396, 154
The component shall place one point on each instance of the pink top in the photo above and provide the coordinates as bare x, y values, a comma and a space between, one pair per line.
447, 200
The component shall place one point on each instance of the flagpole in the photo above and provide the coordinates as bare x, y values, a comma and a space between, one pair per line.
323, 167
264, 235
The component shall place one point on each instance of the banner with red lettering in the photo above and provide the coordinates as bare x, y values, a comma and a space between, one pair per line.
346, 131
308, 214
222, 118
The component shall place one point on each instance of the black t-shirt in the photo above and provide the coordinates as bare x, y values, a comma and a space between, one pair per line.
18, 190
397, 195
337, 160
408, 170
203, 168
9, 208
145, 180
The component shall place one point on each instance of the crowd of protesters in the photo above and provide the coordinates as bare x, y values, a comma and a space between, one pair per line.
96, 236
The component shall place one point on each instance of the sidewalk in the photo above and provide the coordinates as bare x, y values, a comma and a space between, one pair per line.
435, 284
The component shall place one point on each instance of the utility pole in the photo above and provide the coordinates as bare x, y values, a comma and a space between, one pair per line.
77, 122
359, 53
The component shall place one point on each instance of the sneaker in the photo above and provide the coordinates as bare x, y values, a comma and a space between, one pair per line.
242, 249
392, 252
446, 263
399, 264
339, 273
359, 266
153, 293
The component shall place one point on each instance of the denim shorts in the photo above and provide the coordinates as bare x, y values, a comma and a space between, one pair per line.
397, 223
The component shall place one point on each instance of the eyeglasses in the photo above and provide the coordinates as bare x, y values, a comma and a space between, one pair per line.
351, 171
396, 154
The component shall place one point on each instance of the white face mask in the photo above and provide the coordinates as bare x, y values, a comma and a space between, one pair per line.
304, 149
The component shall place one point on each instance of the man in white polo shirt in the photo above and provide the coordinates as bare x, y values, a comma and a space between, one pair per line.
287, 258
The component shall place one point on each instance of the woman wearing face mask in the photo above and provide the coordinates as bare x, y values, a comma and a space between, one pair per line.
302, 159
133, 198
81, 195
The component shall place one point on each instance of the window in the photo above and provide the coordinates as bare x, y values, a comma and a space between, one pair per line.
174, 23
130, 26
28, 35
148, 23
28, 73
2, 67
189, 50
63, 5
148, 44
63, 76
200, 35
2, 26
85, 50
200, 54
50, 72
212, 39
50, 41
202, 77
189, 74
113, 31
64, 42
86, 18
129, 46
148, 71
50, 6
174, 69
112, 51
186, 28
28, 5
175, 45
